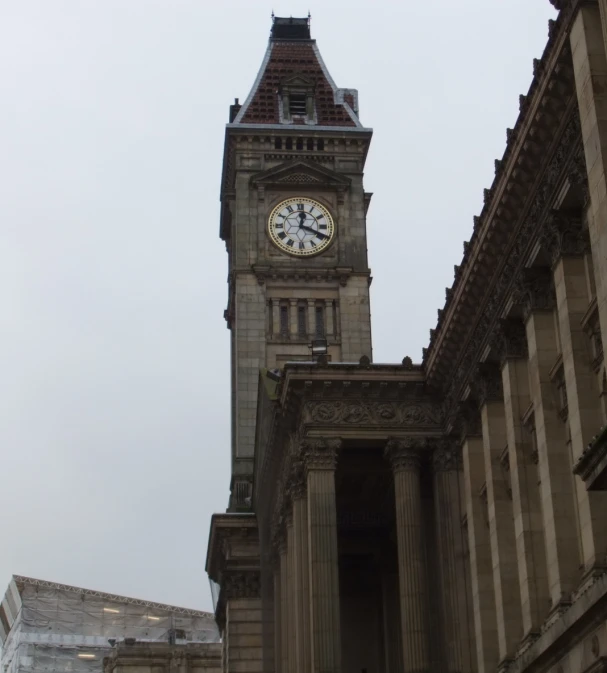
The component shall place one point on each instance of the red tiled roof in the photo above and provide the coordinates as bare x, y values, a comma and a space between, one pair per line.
287, 59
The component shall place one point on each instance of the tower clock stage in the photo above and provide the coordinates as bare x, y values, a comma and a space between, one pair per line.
301, 226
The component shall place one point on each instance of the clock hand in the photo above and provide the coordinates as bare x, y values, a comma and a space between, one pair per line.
312, 231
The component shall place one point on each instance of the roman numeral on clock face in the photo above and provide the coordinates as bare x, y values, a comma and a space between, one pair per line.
302, 245
290, 209
282, 235
290, 243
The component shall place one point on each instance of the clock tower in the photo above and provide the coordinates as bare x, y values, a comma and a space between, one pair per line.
293, 218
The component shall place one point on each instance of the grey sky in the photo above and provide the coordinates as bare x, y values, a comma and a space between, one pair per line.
114, 409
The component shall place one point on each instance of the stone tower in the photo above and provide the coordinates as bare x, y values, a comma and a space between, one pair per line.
293, 217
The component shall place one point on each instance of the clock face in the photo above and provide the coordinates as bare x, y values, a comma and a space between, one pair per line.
301, 226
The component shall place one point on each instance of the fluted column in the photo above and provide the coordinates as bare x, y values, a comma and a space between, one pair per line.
320, 458
301, 578
526, 507
293, 327
290, 617
454, 571
284, 603
277, 617
404, 456
275, 317
330, 329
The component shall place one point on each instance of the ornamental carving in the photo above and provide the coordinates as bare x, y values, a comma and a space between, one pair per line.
523, 237
487, 384
534, 291
563, 235
447, 456
245, 584
510, 340
321, 453
339, 412
405, 454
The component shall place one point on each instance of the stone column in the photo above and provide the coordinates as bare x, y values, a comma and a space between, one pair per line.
291, 587
311, 318
320, 457
488, 387
590, 70
566, 241
536, 293
404, 456
275, 317
284, 603
481, 571
277, 616
241, 592
293, 328
526, 506
302, 579
454, 571
330, 330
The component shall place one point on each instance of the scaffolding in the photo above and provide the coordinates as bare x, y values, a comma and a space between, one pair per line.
49, 628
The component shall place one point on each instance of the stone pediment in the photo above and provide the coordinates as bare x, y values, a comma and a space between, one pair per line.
298, 82
300, 172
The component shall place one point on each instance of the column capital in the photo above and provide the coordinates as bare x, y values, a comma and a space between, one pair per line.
447, 456
509, 340
469, 421
534, 291
563, 235
487, 384
296, 484
405, 454
320, 453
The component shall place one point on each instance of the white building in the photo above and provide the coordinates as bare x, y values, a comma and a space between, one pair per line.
49, 628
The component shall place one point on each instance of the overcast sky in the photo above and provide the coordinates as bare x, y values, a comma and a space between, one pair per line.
114, 358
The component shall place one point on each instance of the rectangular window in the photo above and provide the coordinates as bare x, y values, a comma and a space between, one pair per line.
297, 104
284, 320
320, 322
301, 321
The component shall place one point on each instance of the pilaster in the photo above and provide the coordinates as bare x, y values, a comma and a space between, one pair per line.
554, 464
481, 571
526, 507
499, 511
583, 410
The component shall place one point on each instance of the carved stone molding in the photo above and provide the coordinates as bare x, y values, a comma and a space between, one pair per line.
534, 291
242, 584
320, 453
510, 340
405, 454
563, 235
402, 413
447, 456
487, 384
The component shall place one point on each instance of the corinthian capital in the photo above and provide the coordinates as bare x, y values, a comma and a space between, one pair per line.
488, 384
510, 340
563, 235
320, 453
405, 454
447, 456
534, 291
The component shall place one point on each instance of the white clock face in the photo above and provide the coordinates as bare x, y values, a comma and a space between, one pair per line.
301, 226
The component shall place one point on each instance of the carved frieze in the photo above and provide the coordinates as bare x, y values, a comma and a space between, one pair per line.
242, 584
366, 412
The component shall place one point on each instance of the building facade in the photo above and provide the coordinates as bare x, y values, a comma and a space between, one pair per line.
449, 515
45, 626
